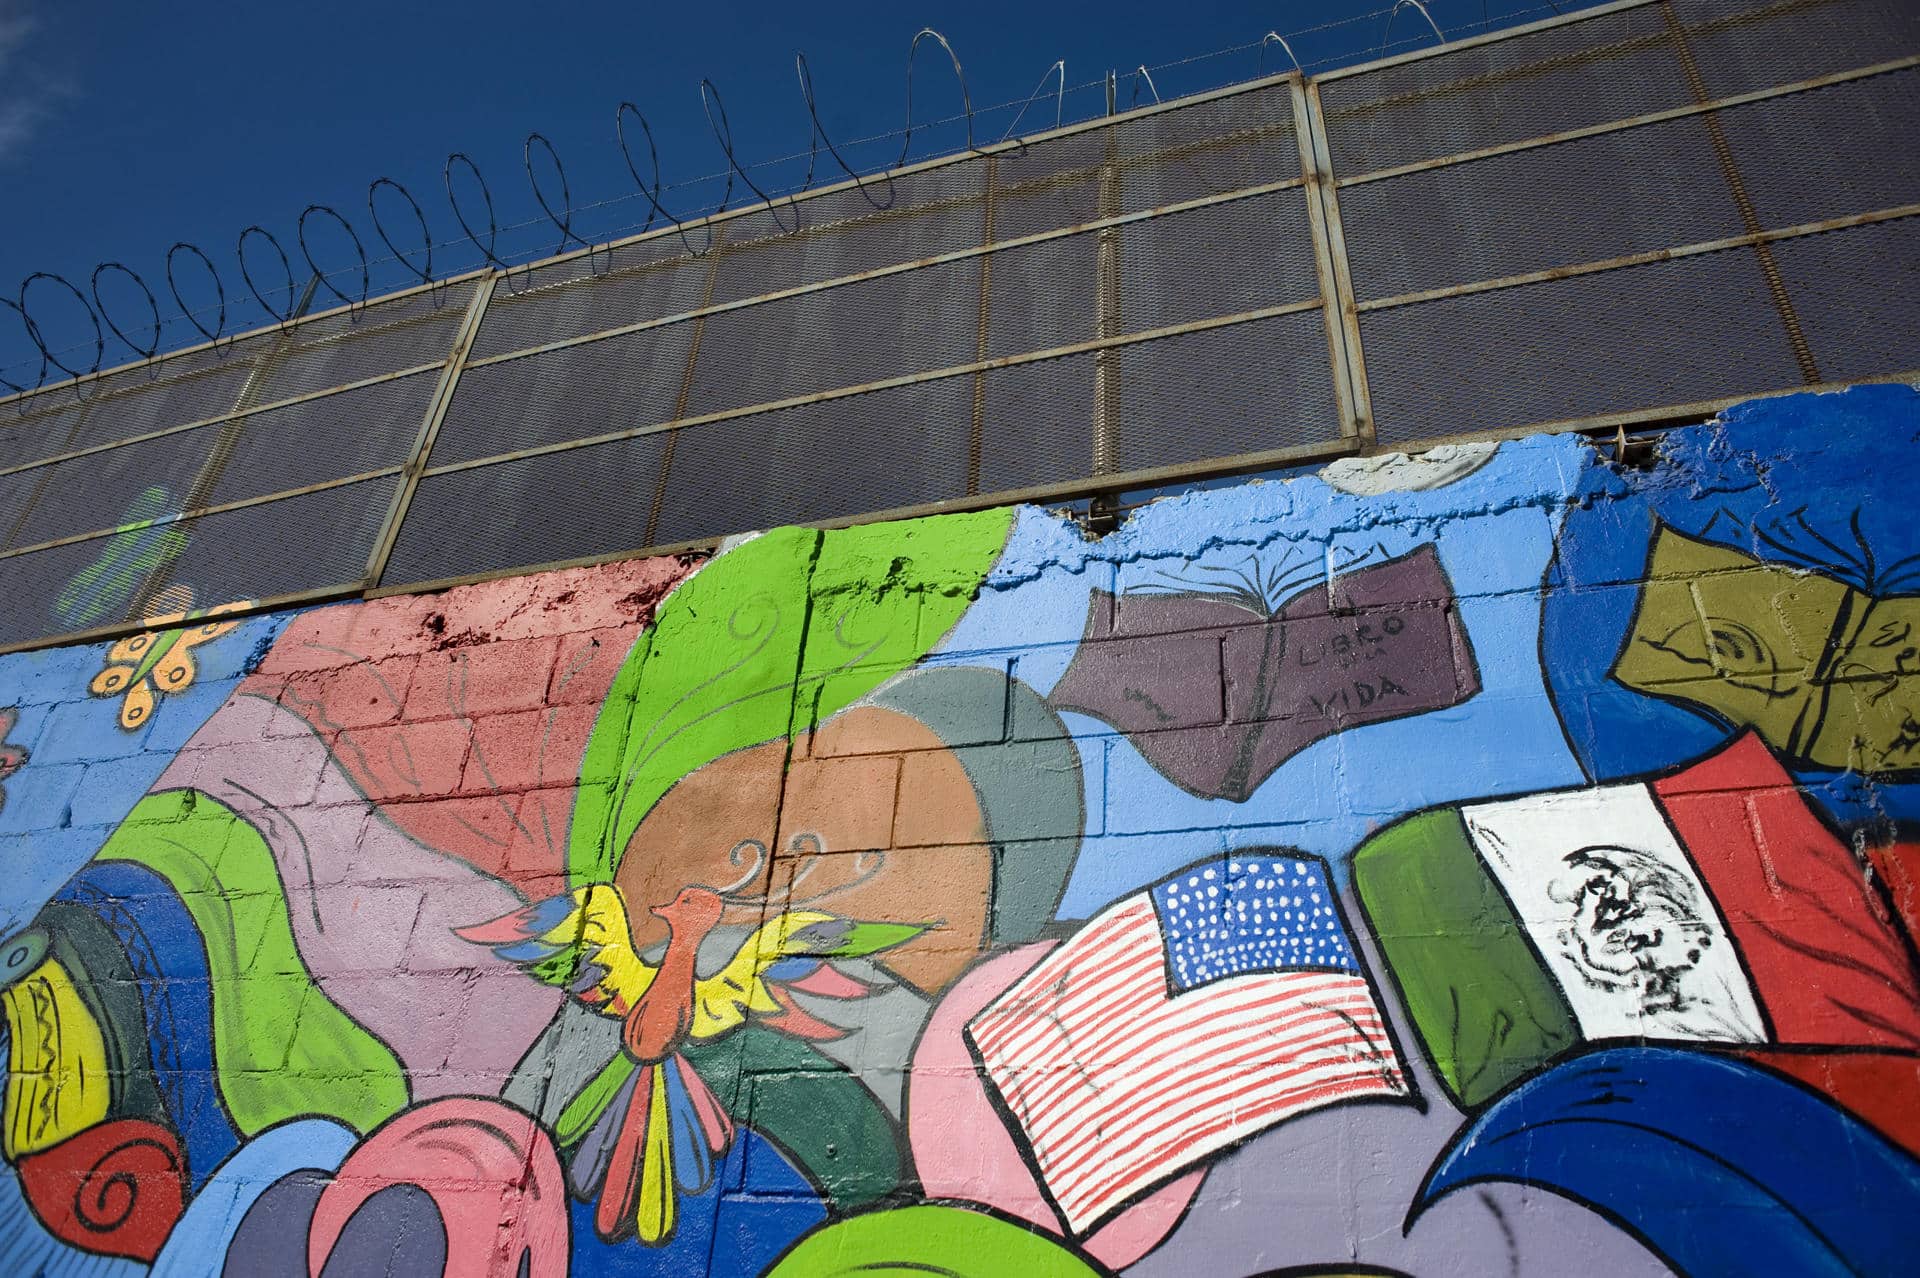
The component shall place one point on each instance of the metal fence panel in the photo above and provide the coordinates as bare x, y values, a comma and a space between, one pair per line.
146, 490
924, 338
1591, 221
1622, 215
1856, 293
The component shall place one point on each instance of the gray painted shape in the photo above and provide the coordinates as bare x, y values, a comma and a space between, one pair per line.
1029, 790
564, 1059
884, 1027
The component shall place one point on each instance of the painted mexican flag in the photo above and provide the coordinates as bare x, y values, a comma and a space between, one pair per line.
1710, 906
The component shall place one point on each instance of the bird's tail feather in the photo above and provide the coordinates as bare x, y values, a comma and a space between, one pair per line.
654, 1216
639, 1186
715, 1124
587, 1168
692, 1157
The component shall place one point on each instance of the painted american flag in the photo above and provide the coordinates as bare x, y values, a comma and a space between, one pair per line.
1180, 1021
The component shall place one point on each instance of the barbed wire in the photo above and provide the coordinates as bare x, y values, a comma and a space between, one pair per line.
653, 195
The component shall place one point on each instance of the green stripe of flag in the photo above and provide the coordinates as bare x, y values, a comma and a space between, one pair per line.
1479, 996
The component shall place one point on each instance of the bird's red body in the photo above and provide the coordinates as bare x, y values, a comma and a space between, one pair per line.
658, 1023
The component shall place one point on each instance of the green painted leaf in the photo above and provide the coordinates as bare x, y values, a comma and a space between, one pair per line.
915, 1242
557, 970
863, 939
584, 1110
769, 638
282, 1048
139, 548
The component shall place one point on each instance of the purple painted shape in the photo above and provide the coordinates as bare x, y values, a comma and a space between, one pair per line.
1217, 692
271, 1241
397, 1230
1332, 1187
589, 1166
373, 911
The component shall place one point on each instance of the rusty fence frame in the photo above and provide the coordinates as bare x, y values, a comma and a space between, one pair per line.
1335, 299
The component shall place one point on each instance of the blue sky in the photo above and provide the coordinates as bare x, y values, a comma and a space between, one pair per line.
125, 128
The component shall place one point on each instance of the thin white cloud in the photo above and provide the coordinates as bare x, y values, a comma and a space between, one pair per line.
28, 93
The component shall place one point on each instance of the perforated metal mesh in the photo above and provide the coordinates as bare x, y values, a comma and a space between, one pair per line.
797, 243
849, 336
323, 439
1856, 293
315, 542
122, 406
1620, 337
1536, 210
588, 294
558, 506
276, 450
1742, 46
335, 350
315, 355
1586, 72
1108, 305
98, 491
1247, 388
1828, 152
738, 474
733, 374
570, 393
1614, 341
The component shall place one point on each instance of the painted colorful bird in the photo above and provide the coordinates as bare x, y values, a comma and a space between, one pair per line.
648, 1128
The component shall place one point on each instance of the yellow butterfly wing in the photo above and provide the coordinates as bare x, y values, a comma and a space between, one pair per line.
176, 668
111, 680
138, 705
123, 663
212, 629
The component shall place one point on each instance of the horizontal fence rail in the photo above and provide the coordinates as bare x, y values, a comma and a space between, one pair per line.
1628, 215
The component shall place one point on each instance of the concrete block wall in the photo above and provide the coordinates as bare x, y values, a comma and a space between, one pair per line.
1496, 861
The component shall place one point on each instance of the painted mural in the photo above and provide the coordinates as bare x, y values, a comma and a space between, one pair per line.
1496, 862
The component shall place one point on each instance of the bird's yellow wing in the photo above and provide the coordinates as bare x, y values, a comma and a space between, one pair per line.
722, 1002
787, 949
579, 942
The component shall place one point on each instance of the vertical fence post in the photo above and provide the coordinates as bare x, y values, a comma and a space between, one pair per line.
430, 426
977, 432
1103, 511
1330, 256
717, 233
1742, 200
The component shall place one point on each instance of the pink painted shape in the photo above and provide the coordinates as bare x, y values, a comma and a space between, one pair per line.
491, 1170
963, 1150
374, 913
828, 981
499, 676
433, 705
715, 1125
612, 596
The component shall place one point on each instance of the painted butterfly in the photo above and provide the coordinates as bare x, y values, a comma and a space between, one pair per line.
158, 661
12, 757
